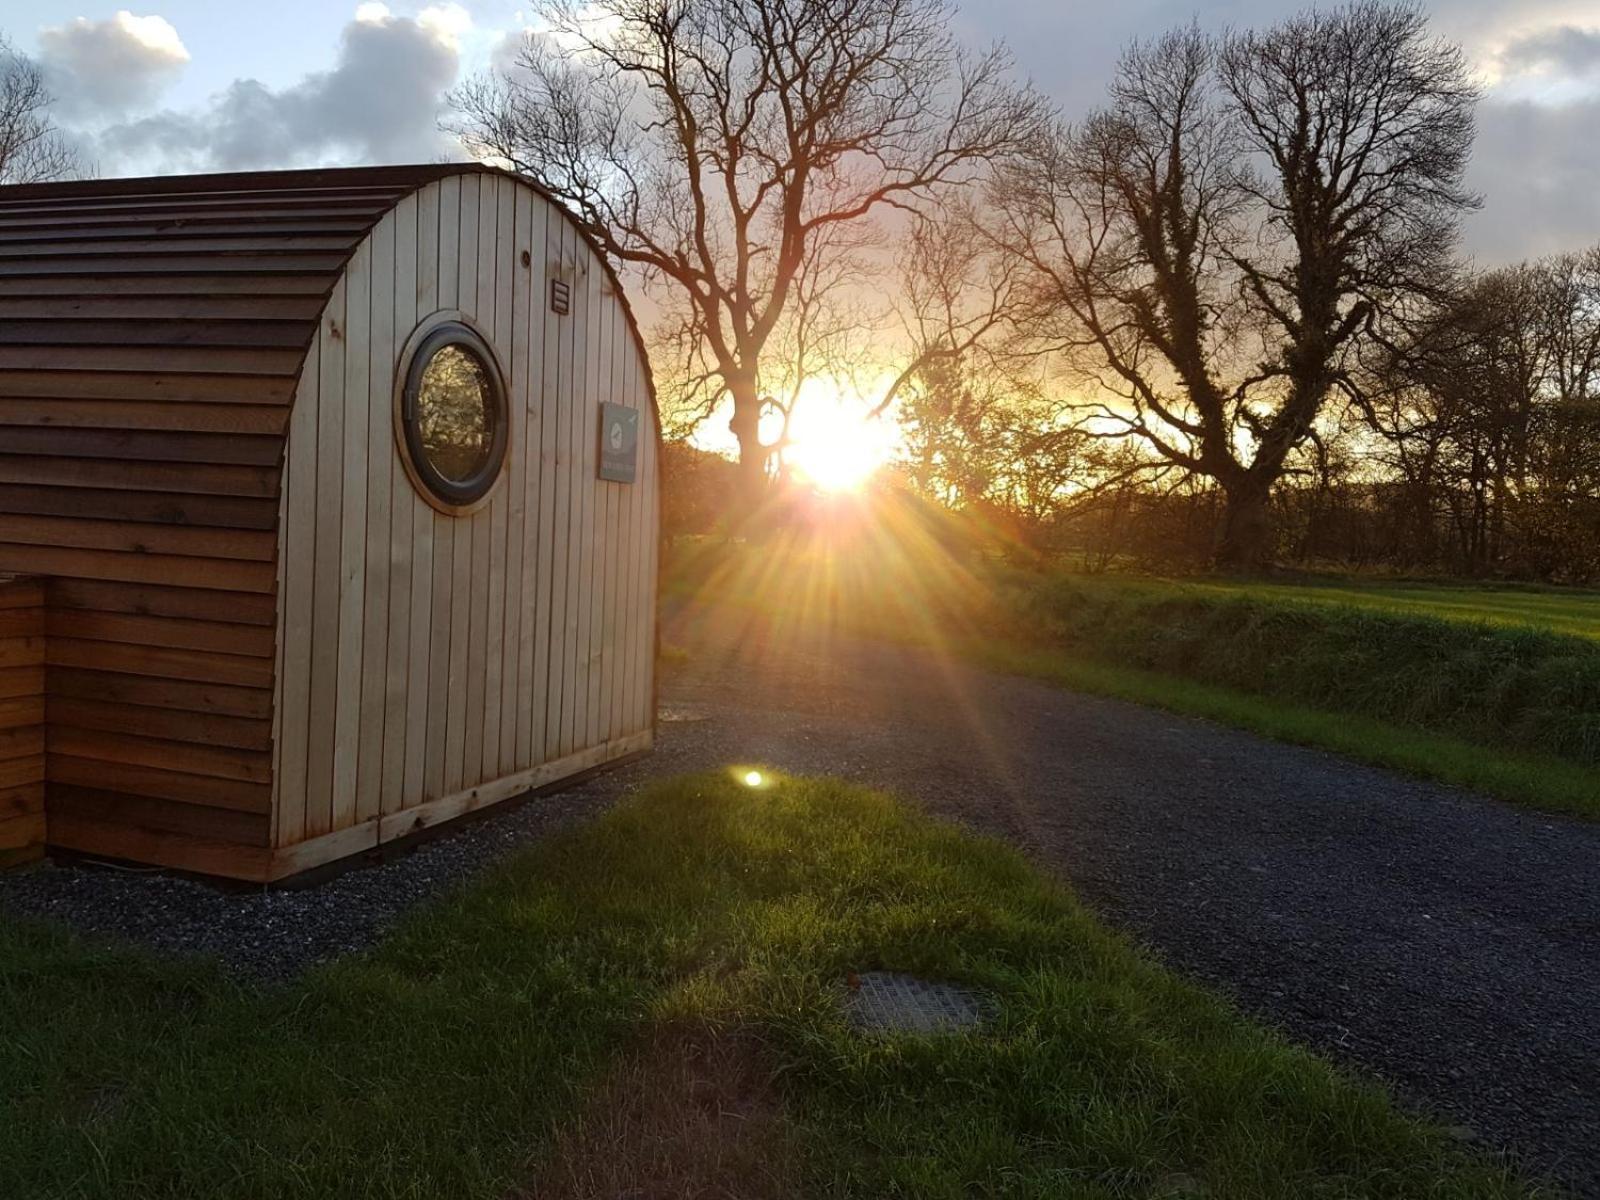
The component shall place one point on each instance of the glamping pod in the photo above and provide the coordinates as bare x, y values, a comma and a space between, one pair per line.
329, 505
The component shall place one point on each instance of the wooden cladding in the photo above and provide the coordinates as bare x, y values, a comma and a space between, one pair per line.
257, 647
427, 657
151, 337
22, 720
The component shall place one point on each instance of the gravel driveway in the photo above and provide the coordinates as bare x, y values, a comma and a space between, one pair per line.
1447, 943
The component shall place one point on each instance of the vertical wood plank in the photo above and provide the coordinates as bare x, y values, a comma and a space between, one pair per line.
488, 523
544, 502
397, 674
438, 774
463, 719
447, 242
327, 503
377, 571
615, 547
459, 568
520, 528
560, 516
630, 568
296, 537
638, 642
571, 705
281, 585
424, 300
353, 537
597, 535
512, 308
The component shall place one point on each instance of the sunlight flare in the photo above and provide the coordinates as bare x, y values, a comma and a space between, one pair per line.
832, 445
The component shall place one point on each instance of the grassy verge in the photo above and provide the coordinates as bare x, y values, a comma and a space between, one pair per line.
1552, 609
1537, 781
649, 1005
1515, 710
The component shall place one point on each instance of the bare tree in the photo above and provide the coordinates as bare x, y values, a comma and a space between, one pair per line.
1213, 249
738, 152
958, 303
1489, 412
32, 150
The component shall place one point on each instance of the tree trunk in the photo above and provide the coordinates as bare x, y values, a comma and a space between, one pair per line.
1246, 541
745, 425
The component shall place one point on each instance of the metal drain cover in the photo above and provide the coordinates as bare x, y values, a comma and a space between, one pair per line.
906, 1004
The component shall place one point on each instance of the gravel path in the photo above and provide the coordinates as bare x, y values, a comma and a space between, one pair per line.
1446, 943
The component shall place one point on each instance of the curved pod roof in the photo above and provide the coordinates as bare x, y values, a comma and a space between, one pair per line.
184, 288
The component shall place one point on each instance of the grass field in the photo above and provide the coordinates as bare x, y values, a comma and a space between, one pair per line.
1556, 610
650, 1006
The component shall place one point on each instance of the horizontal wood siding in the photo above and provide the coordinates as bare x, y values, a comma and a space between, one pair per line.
430, 664
22, 817
150, 345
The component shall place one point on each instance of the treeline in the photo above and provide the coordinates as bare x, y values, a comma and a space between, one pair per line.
1470, 447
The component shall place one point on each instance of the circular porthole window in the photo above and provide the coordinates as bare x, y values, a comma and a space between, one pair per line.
453, 410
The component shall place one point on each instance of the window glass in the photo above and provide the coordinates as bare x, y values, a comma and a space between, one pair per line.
454, 412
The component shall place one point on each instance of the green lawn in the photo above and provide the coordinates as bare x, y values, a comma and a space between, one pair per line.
1558, 610
649, 1005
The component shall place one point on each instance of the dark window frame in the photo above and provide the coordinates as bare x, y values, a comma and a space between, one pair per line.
454, 494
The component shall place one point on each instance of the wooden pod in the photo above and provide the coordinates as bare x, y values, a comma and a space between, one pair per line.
265, 643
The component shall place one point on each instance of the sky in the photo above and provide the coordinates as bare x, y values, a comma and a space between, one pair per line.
189, 85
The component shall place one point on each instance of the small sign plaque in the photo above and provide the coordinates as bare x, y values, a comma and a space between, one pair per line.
619, 443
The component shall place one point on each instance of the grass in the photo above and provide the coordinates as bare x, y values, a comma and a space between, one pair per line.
1464, 686
649, 1005
1520, 688
1555, 610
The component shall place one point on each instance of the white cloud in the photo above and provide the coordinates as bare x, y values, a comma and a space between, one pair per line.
1540, 178
381, 102
110, 66
1563, 50
448, 22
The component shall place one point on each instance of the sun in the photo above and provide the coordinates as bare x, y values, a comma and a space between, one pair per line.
832, 445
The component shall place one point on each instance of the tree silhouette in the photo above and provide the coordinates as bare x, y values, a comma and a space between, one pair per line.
1215, 249
738, 152
32, 150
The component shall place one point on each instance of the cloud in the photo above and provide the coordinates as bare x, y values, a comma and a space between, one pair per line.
380, 103
110, 66
448, 22
506, 54
1564, 50
1536, 166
